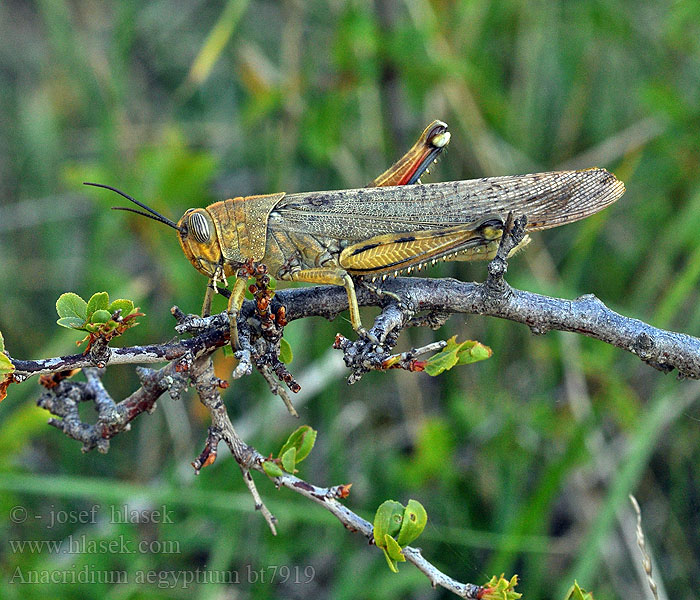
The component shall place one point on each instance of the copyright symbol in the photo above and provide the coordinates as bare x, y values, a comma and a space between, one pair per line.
18, 514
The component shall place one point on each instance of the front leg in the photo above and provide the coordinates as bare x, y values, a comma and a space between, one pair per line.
235, 302
209, 294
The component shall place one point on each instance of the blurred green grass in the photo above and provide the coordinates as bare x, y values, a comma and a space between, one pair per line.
524, 461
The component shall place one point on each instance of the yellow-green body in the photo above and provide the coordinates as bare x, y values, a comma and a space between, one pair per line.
330, 237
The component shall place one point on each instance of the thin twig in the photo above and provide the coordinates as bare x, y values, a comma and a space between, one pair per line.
328, 498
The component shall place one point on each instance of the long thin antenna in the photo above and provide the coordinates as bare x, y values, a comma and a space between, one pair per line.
145, 214
156, 216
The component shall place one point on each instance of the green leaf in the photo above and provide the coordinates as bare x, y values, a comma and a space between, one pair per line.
293, 440
126, 306
307, 444
302, 440
6, 366
289, 460
393, 549
272, 469
443, 361
472, 351
413, 524
98, 301
286, 354
101, 316
71, 322
71, 305
387, 521
390, 561
456, 354
2, 343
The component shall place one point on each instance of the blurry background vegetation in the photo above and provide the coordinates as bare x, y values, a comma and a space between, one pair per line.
524, 462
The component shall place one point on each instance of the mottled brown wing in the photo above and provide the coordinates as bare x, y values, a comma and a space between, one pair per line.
548, 200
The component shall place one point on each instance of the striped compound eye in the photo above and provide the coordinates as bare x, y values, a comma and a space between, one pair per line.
199, 227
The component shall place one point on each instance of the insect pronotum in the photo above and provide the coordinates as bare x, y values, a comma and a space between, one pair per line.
394, 225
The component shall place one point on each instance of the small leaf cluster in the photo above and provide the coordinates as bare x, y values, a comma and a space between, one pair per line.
6, 370
98, 316
500, 588
456, 353
396, 526
297, 447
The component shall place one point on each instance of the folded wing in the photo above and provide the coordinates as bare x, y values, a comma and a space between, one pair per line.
548, 199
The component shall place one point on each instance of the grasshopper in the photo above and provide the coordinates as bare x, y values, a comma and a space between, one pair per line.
394, 225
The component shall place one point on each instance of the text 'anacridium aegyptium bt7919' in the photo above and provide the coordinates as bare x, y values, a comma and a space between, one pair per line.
393, 225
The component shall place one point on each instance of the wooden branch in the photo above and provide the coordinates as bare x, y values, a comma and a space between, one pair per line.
587, 315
